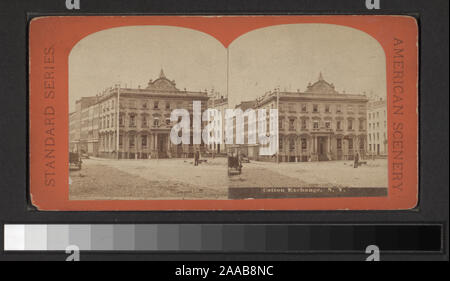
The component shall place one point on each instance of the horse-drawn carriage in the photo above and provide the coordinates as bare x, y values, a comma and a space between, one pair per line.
75, 160
234, 162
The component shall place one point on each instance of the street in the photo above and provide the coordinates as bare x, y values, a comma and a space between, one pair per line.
156, 179
110, 179
311, 174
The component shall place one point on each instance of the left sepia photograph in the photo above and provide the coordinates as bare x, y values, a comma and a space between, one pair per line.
123, 85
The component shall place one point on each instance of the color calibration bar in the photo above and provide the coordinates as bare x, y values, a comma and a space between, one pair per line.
222, 237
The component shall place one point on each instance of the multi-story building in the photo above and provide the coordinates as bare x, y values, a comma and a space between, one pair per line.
377, 127
142, 128
317, 124
74, 131
83, 126
220, 103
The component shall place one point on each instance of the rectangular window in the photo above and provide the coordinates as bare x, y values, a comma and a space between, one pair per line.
291, 124
339, 143
327, 108
155, 105
132, 121
304, 125
144, 141
120, 139
350, 144
144, 122
315, 108
338, 125
304, 107
280, 124
131, 141
316, 125
350, 124
167, 105
328, 124
291, 145
304, 143
338, 108
361, 144
361, 125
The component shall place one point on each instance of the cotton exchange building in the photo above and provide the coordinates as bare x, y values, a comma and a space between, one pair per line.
144, 121
318, 124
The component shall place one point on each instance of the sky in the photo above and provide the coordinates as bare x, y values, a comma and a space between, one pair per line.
284, 56
133, 55
290, 56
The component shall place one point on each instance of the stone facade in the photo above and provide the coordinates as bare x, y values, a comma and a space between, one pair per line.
318, 124
142, 128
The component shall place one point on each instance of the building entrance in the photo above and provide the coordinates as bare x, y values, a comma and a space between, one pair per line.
162, 145
322, 148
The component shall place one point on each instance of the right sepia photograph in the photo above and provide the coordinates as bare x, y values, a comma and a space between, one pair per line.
328, 84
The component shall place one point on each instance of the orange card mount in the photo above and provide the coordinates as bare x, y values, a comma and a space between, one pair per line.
108, 93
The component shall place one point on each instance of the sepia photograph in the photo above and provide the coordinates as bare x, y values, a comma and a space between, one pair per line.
169, 113
328, 83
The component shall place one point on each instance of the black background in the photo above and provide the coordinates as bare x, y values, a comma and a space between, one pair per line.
433, 21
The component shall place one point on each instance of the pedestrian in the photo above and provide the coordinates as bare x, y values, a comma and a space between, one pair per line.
196, 156
356, 160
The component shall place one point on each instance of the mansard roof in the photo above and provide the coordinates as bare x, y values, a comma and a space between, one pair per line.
162, 84
321, 87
